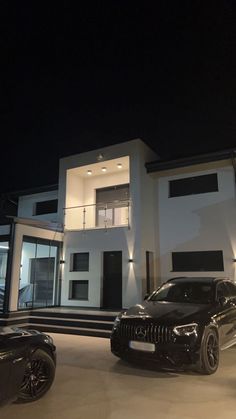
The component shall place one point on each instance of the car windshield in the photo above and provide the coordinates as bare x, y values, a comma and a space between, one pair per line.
188, 292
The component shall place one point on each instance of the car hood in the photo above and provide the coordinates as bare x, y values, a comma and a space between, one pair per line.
170, 313
15, 332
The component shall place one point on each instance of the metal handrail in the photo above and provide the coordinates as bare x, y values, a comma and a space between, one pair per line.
100, 203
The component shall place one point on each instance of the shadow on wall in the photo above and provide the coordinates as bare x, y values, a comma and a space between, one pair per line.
216, 231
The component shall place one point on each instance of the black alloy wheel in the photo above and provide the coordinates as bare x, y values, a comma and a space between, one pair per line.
38, 378
209, 356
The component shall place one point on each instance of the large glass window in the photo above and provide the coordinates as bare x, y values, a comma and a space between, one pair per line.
4, 247
112, 205
38, 285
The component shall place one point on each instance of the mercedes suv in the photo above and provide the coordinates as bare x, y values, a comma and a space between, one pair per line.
187, 321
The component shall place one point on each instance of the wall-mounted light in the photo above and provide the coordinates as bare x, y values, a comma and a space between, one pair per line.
100, 157
119, 165
89, 172
104, 169
62, 262
234, 260
130, 260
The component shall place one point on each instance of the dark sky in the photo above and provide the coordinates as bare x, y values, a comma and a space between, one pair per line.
77, 77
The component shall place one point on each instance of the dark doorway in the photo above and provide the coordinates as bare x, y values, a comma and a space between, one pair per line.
149, 272
112, 280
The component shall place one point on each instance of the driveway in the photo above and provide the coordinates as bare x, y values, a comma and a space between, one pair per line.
92, 384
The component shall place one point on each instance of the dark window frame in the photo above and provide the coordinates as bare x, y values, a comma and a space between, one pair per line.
72, 285
73, 262
193, 185
39, 207
215, 256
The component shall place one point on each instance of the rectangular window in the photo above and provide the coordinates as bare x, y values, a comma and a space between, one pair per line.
198, 261
78, 290
80, 262
193, 185
112, 204
46, 207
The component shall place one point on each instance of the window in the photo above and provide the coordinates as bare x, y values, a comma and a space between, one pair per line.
78, 290
193, 185
46, 207
222, 291
198, 261
80, 262
232, 288
112, 205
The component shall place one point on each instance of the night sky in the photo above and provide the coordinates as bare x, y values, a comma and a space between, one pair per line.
76, 78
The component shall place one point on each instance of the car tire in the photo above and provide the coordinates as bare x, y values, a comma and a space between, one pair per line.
38, 378
209, 353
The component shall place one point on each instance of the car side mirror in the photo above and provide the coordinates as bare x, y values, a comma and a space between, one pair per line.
146, 296
223, 301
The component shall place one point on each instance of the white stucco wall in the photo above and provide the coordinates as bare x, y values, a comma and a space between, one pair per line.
96, 242
197, 222
27, 203
133, 243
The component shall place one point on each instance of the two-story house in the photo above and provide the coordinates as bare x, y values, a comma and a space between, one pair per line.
119, 222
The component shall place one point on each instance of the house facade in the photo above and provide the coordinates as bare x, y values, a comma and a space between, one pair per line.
119, 223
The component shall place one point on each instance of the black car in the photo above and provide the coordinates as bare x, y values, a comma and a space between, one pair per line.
187, 321
27, 364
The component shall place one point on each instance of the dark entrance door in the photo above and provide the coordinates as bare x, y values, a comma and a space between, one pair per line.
149, 272
112, 280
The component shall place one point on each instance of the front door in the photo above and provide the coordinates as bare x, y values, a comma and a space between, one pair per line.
112, 280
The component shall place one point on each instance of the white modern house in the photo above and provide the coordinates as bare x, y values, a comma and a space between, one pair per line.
119, 222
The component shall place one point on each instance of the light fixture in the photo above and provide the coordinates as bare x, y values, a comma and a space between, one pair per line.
130, 260
100, 157
119, 165
104, 169
62, 262
234, 260
89, 172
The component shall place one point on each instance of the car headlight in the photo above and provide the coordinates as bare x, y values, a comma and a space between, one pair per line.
48, 339
186, 329
117, 320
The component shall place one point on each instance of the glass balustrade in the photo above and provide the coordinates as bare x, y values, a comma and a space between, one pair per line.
102, 215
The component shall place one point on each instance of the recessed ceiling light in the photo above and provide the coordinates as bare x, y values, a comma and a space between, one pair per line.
119, 165
104, 169
89, 172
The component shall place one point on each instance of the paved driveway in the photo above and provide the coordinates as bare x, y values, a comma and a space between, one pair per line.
91, 383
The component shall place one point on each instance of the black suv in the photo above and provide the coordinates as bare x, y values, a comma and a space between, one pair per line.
184, 322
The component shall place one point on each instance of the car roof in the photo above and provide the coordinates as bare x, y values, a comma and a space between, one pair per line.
205, 279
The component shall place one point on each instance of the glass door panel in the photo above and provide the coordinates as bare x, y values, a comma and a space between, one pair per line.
38, 278
4, 248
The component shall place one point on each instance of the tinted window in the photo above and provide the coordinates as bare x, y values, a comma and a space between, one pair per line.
80, 262
222, 291
46, 207
193, 185
112, 195
78, 290
232, 289
188, 292
198, 261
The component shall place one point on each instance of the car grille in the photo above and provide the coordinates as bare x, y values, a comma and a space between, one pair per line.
153, 333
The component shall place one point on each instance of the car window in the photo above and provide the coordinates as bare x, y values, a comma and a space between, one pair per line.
185, 292
232, 289
222, 290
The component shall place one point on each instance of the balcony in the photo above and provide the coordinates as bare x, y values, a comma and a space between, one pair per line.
97, 216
